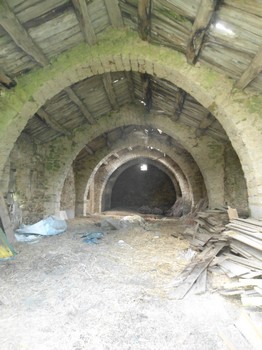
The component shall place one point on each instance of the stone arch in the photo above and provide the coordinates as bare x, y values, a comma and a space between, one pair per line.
212, 171
115, 169
237, 114
184, 168
103, 174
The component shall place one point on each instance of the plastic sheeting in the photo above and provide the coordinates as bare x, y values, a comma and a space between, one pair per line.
46, 227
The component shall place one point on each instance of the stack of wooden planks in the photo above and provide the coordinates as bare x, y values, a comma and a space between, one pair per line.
195, 274
244, 260
234, 248
250, 291
208, 227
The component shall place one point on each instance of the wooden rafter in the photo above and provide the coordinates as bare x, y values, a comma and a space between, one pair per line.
114, 13
144, 18
74, 98
251, 72
89, 150
53, 124
130, 84
201, 24
108, 143
108, 85
147, 91
18, 33
85, 21
6, 81
204, 124
180, 100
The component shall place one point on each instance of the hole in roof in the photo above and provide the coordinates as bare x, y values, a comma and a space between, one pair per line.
224, 29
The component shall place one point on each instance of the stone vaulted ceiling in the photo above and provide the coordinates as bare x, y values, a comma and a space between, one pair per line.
225, 35
113, 87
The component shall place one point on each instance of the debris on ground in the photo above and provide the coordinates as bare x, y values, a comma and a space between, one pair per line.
132, 220
233, 248
250, 325
145, 209
113, 296
180, 208
192, 272
46, 227
92, 237
27, 238
110, 224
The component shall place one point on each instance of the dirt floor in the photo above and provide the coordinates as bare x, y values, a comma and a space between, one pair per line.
62, 293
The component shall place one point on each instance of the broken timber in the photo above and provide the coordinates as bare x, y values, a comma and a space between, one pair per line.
251, 72
188, 277
144, 18
85, 21
200, 26
6, 81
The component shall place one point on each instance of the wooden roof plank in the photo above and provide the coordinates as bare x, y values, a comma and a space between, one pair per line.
85, 21
200, 26
52, 123
130, 84
89, 150
6, 81
108, 85
143, 14
251, 72
180, 100
74, 98
204, 124
18, 33
114, 13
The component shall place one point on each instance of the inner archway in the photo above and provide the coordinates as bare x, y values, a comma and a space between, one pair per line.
140, 185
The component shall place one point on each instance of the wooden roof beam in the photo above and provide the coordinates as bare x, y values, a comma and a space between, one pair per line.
144, 18
85, 21
108, 85
201, 24
53, 124
106, 137
130, 84
89, 150
114, 13
254, 68
6, 81
18, 33
180, 100
74, 98
204, 124
147, 91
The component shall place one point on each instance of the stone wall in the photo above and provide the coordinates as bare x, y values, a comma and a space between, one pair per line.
68, 194
238, 113
235, 184
135, 188
24, 182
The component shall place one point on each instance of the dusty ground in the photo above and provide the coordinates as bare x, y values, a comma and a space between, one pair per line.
61, 293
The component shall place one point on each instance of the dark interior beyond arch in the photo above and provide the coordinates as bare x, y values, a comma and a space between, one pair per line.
136, 188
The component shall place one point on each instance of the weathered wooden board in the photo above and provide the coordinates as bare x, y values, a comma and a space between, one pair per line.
250, 241
183, 285
201, 283
233, 339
